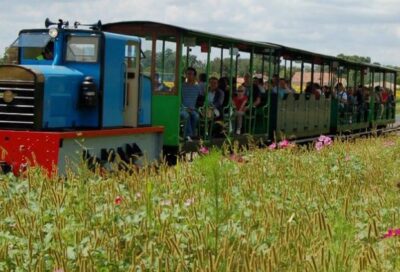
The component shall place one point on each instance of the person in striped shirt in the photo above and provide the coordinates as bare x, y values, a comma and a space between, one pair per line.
190, 92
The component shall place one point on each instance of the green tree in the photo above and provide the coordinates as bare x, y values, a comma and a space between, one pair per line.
355, 58
3, 58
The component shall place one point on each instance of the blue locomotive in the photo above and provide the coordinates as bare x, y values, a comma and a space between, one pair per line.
70, 90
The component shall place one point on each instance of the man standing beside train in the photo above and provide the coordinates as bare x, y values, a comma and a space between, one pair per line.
190, 92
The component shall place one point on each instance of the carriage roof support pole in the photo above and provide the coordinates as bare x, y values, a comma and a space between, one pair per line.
163, 61
384, 80
321, 74
153, 58
312, 73
284, 71
179, 65
270, 90
187, 56
231, 76
330, 75
379, 78
229, 106
222, 62
302, 76
251, 88
236, 64
291, 72
372, 97
262, 65
278, 66
270, 69
355, 79
362, 77
206, 93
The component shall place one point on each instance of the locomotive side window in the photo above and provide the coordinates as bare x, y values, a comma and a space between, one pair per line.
82, 49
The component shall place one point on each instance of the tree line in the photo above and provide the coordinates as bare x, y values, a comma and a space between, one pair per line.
242, 66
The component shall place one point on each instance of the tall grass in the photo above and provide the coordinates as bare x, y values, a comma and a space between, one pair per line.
281, 210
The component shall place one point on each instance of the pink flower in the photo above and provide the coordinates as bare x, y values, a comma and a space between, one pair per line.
389, 234
118, 200
321, 138
319, 145
347, 158
272, 146
283, 144
327, 141
323, 141
189, 202
204, 150
58, 270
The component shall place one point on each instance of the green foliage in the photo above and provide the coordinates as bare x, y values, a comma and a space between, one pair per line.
355, 58
3, 59
281, 210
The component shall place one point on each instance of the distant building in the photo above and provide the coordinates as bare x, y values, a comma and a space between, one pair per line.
296, 79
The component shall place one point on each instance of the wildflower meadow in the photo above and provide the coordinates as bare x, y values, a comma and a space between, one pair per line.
329, 206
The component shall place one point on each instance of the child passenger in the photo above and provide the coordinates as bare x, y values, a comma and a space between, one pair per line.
240, 104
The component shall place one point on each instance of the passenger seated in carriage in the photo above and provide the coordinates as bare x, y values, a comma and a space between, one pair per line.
327, 92
342, 101
275, 83
284, 89
260, 84
246, 84
341, 96
190, 93
240, 101
214, 111
252, 90
215, 98
223, 84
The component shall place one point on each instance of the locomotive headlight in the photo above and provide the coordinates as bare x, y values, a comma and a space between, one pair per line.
53, 32
8, 96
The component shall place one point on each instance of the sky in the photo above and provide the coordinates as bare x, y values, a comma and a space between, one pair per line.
369, 28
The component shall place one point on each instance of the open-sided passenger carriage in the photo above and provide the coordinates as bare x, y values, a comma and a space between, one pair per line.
299, 115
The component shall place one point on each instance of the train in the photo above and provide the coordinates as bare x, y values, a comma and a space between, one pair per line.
113, 92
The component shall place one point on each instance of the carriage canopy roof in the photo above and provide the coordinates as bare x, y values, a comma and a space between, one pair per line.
148, 28
144, 28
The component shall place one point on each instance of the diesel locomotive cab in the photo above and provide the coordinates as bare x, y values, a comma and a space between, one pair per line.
70, 79
69, 94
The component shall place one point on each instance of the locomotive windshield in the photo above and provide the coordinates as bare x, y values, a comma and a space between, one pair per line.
37, 40
35, 45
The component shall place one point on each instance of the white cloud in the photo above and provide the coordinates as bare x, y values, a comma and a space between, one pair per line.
366, 28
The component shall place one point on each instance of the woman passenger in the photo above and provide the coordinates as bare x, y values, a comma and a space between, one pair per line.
215, 97
223, 85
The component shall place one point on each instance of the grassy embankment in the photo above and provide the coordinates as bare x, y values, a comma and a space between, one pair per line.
267, 210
